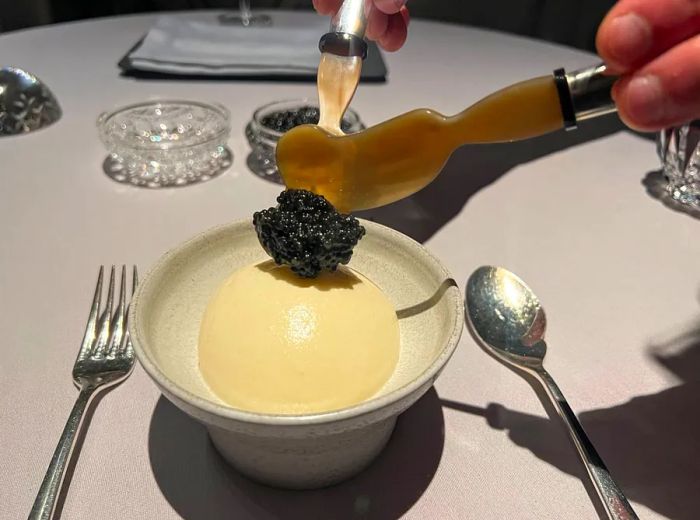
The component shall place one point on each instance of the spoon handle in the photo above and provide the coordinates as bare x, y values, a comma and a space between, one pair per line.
610, 494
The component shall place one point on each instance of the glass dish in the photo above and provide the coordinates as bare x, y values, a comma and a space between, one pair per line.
166, 143
263, 138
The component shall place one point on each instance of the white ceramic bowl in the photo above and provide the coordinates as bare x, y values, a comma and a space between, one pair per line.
294, 451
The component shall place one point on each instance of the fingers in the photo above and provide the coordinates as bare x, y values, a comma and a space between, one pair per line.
377, 23
389, 6
330, 7
387, 20
664, 92
636, 31
396, 31
327, 7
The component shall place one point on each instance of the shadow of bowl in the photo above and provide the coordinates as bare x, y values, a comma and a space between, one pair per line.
120, 170
263, 169
199, 484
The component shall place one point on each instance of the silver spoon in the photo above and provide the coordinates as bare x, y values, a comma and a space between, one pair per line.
26, 104
507, 318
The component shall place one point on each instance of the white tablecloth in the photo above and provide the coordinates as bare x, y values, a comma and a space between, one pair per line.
616, 270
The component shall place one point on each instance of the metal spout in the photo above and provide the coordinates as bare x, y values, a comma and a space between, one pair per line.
351, 18
584, 94
346, 36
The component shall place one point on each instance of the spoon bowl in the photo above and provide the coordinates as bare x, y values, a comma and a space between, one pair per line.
507, 316
370, 168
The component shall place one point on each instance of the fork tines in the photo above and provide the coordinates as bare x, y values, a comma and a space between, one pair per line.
106, 333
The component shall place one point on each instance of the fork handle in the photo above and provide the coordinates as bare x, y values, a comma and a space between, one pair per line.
45, 502
613, 499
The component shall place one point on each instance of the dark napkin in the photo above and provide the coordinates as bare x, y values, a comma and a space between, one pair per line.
177, 47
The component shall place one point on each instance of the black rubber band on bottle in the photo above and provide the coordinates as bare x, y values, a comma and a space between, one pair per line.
565, 102
343, 44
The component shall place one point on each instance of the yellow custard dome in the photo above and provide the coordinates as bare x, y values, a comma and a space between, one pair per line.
272, 342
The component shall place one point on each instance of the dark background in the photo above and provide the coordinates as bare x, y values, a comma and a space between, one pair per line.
569, 22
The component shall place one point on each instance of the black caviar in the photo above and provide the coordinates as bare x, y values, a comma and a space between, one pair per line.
307, 233
285, 120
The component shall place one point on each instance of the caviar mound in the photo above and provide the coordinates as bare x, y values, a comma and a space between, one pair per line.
305, 232
285, 120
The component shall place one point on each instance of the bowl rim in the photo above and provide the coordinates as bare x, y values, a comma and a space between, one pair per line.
221, 136
229, 413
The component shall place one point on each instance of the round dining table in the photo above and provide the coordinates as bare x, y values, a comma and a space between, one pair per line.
579, 215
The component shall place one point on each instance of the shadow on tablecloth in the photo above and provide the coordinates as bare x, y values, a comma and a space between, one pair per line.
199, 485
472, 168
655, 184
650, 444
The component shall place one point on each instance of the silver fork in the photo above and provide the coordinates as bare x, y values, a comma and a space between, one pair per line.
106, 358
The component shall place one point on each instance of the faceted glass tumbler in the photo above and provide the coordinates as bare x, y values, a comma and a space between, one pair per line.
679, 151
166, 143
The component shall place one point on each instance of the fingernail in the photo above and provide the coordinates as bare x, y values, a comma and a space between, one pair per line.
390, 6
645, 101
629, 37
406, 16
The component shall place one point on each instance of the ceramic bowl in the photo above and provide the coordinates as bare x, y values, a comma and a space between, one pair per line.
294, 451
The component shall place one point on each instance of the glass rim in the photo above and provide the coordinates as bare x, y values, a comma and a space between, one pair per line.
274, 135
218, 137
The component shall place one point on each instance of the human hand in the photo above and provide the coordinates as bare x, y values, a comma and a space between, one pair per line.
654, 46
387, 20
